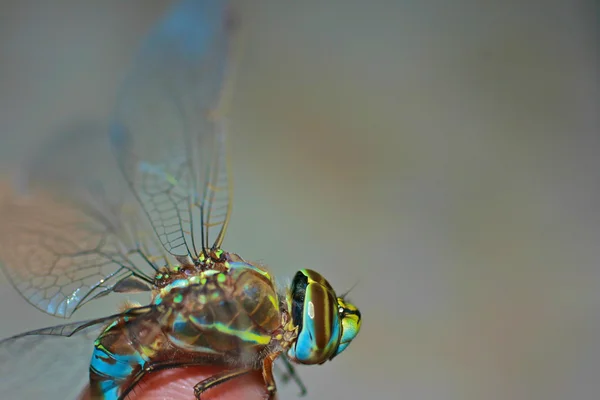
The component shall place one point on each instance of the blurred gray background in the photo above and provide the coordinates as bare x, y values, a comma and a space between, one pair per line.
441, 154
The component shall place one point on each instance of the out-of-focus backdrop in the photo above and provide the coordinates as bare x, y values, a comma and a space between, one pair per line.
444, 155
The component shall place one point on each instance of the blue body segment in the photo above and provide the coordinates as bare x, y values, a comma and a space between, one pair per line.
111, 370
117, 366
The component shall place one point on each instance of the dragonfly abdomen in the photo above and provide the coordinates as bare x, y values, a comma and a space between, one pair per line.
122, 354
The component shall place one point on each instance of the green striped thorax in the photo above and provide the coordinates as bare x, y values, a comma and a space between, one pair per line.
326, 323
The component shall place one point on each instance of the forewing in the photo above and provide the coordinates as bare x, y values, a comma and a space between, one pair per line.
71, 236
166, 133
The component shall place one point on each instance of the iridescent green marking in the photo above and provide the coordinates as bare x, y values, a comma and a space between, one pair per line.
160, 276
246, 336
179, 283
273, 301
194, 280
109, 327
221, 278
186, 336
243, 265
178, 298
218, 253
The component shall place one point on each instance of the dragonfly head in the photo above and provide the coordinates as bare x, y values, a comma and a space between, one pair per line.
326, 323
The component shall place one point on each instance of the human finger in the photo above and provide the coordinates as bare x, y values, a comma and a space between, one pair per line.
179, 384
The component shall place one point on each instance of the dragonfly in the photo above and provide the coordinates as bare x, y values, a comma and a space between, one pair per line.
156, 224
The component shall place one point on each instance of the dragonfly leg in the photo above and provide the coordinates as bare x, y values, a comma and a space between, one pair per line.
291, 374
217, 379
268, 374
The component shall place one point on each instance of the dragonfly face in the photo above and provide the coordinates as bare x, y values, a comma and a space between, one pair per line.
326, 323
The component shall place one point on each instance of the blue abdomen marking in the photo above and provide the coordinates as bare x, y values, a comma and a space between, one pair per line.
110, 371
117, 366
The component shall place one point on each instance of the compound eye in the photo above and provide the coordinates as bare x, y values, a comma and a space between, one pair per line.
314, 310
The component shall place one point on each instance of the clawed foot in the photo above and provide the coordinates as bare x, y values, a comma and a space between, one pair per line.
271, 392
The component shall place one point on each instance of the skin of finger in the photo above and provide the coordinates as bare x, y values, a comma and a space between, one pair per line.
179, 384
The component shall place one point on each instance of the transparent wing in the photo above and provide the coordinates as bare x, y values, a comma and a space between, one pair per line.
50, 363
166, 133
74, 236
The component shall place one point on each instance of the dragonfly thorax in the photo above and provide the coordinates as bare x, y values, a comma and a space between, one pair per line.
229, 310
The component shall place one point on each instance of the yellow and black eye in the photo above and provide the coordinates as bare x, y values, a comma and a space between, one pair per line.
314, 309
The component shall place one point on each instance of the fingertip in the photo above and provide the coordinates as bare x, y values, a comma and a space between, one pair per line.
179, 384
